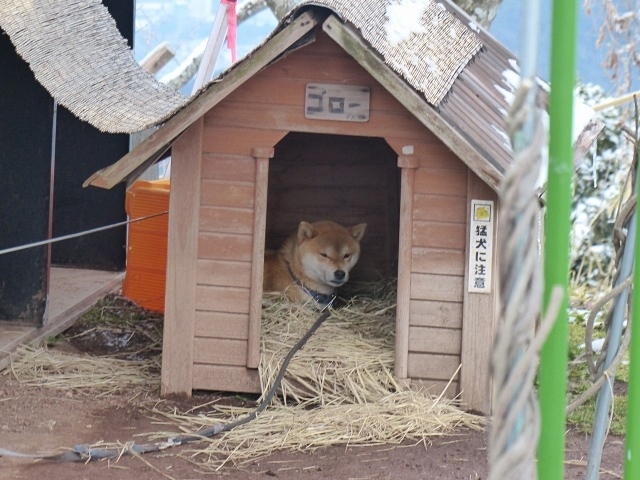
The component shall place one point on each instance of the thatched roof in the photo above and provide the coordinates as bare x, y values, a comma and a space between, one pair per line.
77, 53
420, 40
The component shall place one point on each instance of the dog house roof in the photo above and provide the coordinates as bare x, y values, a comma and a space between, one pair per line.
450, 74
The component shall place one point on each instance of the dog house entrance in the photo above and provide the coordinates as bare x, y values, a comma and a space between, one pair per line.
346, 179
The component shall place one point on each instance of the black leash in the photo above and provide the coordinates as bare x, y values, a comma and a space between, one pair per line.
85, 453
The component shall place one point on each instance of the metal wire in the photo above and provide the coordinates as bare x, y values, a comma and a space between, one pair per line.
49, 241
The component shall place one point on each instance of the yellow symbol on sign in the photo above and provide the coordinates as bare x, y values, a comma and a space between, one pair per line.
482, 213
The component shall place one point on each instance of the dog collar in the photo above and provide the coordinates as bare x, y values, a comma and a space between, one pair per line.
323, 299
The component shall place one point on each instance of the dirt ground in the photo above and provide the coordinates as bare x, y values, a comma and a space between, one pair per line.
42, 420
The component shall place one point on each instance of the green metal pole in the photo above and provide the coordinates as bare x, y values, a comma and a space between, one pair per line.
553, 359
632, 439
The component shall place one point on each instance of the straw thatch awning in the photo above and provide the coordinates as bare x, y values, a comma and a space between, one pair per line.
77, 53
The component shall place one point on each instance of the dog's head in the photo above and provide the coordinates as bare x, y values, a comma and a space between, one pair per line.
329, 251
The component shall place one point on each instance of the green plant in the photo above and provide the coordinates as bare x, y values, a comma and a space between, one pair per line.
579, 376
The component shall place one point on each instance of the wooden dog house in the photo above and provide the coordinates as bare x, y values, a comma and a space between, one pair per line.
323, 120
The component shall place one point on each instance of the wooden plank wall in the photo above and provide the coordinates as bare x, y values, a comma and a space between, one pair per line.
437, 266
224, 271
225, 247
260, 114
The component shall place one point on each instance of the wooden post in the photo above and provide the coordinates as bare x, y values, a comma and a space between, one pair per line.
408, 164
478, 318
182, 259
262, 156
157, 58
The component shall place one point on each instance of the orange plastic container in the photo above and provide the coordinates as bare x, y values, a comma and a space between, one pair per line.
146, 273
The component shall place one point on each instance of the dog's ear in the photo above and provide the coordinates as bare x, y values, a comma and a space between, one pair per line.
305, 231
357, 231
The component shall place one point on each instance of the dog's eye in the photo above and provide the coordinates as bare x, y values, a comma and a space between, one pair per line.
347, 255
324, 255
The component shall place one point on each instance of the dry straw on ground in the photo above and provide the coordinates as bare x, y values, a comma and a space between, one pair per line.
83, 374
389, 420
349, 359
339, 389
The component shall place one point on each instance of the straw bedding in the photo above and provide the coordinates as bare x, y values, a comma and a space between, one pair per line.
339, 389
390, 420
348, 360
84, 374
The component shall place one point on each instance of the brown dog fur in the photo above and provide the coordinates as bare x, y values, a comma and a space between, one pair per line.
320, 255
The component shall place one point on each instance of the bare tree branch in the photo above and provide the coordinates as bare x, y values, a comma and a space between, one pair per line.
249, 9
281, 7
482, 11
620, 36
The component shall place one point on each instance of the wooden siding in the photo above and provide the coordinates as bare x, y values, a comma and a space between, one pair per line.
224, 343
438, 267
224, 270
216, 351
429, 313
225, 378
433, 367
221, 325
273, 99
480, 313
221, 272
224, 247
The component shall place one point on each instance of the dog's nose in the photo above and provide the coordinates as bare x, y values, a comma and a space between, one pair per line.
339, 274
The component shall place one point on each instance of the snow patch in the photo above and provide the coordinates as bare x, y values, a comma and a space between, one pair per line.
582, 115
596, 345
403, 19
506, 94
510, 80
502, 134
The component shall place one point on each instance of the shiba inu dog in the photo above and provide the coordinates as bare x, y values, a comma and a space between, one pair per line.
313, 262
